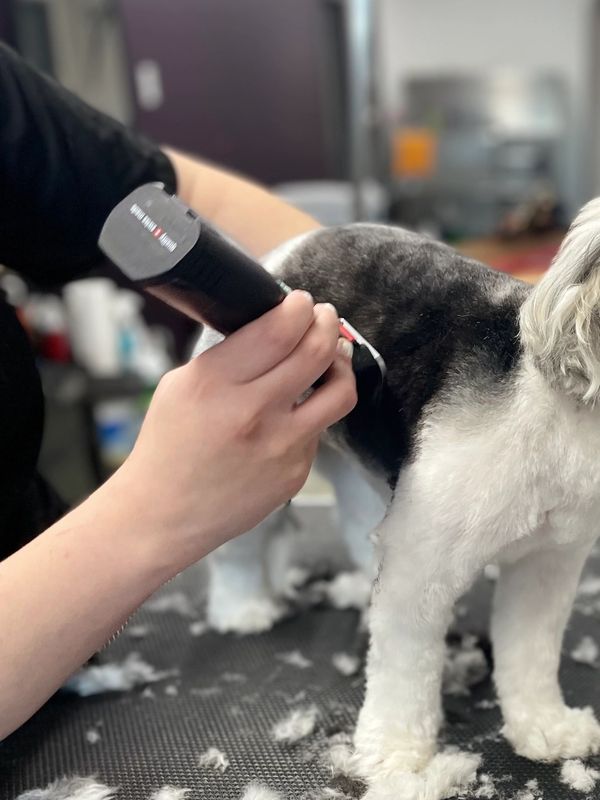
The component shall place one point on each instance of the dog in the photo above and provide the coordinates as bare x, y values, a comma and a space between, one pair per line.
484, 448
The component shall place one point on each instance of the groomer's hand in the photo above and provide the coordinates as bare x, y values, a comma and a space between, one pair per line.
225, 440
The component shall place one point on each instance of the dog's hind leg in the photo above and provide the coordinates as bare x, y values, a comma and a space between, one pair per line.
533, 601
428, 559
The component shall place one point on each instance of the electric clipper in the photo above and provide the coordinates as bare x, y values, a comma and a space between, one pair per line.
166, 248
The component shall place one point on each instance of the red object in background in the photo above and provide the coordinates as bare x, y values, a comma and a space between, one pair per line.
55, 347
531, 260
526, 257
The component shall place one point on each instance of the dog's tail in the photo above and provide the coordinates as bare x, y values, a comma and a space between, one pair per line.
560, 320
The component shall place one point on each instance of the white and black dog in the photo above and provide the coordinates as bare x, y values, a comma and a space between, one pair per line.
486, 448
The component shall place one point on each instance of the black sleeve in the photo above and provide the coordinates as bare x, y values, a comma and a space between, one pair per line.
63, 167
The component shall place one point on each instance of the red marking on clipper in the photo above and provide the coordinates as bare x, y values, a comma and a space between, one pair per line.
346, 333
352, 335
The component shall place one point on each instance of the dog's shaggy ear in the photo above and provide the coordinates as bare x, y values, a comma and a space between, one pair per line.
560, 320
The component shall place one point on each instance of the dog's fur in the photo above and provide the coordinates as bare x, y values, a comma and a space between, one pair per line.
485, 449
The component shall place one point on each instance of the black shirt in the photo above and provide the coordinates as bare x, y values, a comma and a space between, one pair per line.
63, 167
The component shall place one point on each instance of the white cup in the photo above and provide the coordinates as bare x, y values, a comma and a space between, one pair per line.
92, 324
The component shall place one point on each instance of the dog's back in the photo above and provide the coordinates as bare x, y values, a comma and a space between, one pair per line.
442, 322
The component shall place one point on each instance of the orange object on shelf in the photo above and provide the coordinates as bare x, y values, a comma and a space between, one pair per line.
414, 152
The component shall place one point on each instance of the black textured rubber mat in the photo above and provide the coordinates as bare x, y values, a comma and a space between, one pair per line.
229, 693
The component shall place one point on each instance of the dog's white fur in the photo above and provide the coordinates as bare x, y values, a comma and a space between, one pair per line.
560, 327
518, 485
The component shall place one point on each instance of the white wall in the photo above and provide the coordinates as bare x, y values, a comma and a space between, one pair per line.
434, 36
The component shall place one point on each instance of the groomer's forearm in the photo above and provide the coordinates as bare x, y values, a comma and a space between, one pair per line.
251, 215
64, 595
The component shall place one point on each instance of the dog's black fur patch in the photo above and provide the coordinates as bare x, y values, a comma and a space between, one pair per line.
441, 321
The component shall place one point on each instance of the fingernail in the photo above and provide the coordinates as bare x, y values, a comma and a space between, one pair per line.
308, 295
322, 306
345, 348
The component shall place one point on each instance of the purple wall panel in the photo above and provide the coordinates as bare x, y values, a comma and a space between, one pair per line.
243, 81
5, 22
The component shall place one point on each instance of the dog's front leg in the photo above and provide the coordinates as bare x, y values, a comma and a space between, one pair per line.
532, 605
421, 576
240, 598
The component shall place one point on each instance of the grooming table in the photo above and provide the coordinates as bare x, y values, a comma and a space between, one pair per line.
230, 692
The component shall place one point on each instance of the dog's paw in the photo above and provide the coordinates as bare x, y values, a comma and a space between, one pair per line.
252, 615
550, 734
446, 775
348, 590
381, 756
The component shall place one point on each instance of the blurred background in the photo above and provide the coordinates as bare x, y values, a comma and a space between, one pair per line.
476, 122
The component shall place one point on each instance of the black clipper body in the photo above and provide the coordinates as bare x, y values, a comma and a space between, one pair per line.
166, 248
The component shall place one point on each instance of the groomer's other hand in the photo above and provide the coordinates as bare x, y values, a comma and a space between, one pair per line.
225, 440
